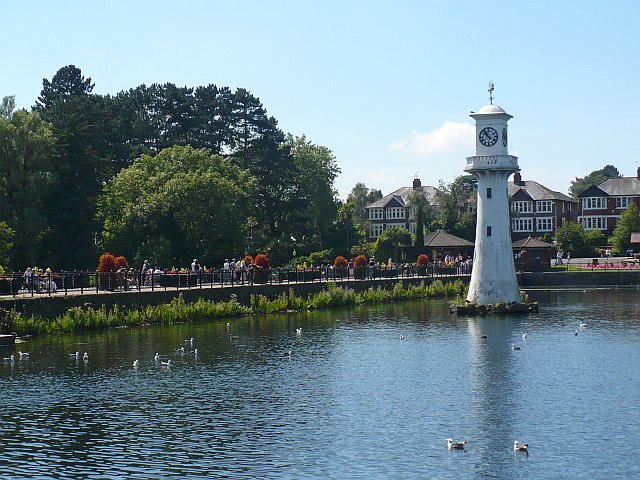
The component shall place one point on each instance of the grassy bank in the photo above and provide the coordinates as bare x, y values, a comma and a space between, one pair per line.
178, 311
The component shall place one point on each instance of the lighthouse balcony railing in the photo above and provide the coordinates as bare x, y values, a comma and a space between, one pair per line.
492, 161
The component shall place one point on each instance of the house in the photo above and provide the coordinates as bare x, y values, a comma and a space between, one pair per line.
536, 209
441, 243
394, 210
602, 205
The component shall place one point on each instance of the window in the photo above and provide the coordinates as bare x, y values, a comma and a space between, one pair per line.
376, 230
594, 223
622, 202
544, 224
594, 203
488, 230
522, 225
395, 212
489, 192
522, 207
544, 206
375, 214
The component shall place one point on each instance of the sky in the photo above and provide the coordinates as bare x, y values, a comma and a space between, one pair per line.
386, 86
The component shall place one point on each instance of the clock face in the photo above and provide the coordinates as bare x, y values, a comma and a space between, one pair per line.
488, 136
504, 137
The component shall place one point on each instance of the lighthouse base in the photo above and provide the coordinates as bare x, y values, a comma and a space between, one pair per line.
499, 308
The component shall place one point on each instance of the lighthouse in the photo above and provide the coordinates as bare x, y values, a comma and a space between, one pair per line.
493, 278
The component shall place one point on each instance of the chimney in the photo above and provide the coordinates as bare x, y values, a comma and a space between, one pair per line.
417, 184
638, 173
517, 179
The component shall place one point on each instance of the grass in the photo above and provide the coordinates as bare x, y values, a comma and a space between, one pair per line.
178, 311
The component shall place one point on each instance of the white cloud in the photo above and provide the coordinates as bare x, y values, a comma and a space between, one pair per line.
450, 136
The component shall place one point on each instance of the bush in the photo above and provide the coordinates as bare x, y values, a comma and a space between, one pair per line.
320, 258
262, 272
121, 262
360, 261
340, 262
107, 263
422, 260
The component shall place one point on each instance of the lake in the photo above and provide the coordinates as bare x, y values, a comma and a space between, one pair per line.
361, 393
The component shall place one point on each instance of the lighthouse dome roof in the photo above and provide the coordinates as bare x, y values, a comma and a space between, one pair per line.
489, 109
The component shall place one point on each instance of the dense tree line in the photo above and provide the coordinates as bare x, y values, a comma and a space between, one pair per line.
63, 162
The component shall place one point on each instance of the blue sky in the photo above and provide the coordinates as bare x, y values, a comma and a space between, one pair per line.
387, 86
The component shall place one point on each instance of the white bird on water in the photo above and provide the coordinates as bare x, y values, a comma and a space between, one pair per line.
451, 445
524, 335
583, 325
85, 357
189, 340
168, 363
10, 359
75, 355
520, 447
157, 357
516, 347
23, 354
136, 363
298, 331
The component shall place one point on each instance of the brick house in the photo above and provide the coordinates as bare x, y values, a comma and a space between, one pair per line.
394, 209
536, 209
601, 205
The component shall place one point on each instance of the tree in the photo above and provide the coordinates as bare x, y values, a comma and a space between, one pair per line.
629, 222
6, 237
450, 212
7, 108
579, 185
572, 238
422, 214
390, 240
181, 203
26, 144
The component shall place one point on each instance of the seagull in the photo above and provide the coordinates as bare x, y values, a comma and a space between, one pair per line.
520, 447
524, 335
516, 347
189, 340
451, 445
168, 363
298, 331
10, 359
157, 357
23, 354
483, 336
76, 355
228, 325
401, 337
583, 325
85, 357
575, 333
180, 350
233, 337
195, 352
136, 362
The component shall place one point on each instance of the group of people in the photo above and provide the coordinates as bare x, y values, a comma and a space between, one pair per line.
39, 280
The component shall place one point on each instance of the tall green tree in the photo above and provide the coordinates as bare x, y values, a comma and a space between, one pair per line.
390, 241
6, 243
629, 222
83, 160
451, 213
422, 213
579, 185
26, 145
179, 204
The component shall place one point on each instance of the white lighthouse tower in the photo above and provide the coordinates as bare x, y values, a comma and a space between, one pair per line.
493, 278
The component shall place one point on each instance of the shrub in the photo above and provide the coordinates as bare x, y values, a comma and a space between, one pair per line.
261, 273
121, 262
107, 263
360, 261
340, 262
422, 260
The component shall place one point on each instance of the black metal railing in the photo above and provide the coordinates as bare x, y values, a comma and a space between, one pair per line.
94, 282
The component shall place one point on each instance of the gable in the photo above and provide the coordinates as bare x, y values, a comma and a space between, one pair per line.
520, 196
593, 191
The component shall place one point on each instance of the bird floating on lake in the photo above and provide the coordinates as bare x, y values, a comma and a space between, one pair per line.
234, 337
516, 347
75, 355
401, 337
298, 331
483, 336
157, 357
85, 357
576, 332
10, 359
136, 363
168, 363
451, 445
583, 325
189, 340
524, 335
520, 447
23, 354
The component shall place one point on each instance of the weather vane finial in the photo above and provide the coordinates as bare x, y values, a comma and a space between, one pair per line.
490, 89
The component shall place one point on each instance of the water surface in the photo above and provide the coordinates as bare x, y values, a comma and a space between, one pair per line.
351, 400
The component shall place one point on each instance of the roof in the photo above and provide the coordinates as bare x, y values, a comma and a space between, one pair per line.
531, 243
491, 109
441, 238
621, 186
537, 191
402, 195
635, 237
